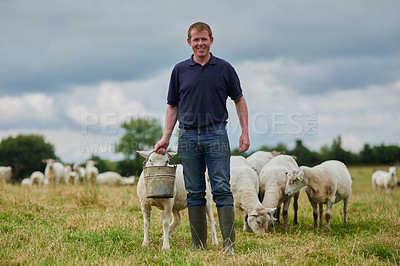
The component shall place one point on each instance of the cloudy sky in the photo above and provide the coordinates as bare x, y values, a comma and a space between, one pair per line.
73, 70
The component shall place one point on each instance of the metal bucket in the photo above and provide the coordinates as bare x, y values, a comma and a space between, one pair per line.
159, 181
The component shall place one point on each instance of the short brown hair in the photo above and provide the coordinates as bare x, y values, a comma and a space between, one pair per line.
199, 26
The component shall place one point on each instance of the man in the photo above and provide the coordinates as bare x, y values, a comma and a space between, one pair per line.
198, 90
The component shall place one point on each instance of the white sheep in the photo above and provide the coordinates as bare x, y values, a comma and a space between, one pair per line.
258, 159
112, 178
384, 180
80, 174
37, 178
26, 182
69, 175
326, 183
5, 173
238, 161
272, 186
54, 171
130, 180
91, 171
169, 205
245, 188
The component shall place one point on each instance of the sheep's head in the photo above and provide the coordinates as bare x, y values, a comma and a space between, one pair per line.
392, 170
258, 220
294, 182
90, 163
155, 159
49, 162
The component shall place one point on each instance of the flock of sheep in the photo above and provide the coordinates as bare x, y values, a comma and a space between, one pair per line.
58, 173
261, 184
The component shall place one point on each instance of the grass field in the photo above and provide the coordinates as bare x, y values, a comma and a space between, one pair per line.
67, 225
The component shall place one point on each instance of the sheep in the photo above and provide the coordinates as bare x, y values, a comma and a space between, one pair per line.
80, 173
245, 187
326, 183
272, 186
91, 171
69, 175
54, 171
113, 178
26, 182
169, 205
384, 180
258, 159
238, 160
37, 178
5, 173
130, 180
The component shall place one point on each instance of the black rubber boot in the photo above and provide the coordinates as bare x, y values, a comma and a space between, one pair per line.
226, 217
198, 227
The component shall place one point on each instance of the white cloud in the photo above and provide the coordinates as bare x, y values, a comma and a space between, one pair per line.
74, 146
281, 113
109, 104
32, 107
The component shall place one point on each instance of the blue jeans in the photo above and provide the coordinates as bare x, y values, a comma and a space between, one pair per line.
201, 148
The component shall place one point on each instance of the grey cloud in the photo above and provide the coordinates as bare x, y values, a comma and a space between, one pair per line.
50, 45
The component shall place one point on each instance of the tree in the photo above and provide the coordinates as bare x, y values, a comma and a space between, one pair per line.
304, 155
140, 134
25, 153
367, 155
336, 152
386, 154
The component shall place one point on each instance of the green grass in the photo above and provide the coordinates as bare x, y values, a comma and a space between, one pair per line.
71, 225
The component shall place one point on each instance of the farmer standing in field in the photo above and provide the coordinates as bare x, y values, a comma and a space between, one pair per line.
198, 90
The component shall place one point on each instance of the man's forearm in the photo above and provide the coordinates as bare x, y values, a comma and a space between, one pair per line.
171, 117
242, 112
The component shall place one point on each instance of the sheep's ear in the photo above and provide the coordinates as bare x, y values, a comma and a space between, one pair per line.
269, 210
301, 177
171, 154
145, 154
272, 217
254, 213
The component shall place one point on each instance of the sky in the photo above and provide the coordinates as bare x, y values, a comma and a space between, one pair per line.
74, 71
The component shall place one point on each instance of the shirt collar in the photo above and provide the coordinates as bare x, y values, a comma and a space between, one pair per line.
211, 61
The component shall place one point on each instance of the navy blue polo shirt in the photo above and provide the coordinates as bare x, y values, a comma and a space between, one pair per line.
200, 92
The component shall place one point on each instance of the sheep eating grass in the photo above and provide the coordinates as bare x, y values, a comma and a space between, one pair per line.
245, 188
272, 186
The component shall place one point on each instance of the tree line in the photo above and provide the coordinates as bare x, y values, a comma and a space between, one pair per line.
25, 152
370, 155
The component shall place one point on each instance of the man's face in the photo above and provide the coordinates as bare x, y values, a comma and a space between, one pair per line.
200, 43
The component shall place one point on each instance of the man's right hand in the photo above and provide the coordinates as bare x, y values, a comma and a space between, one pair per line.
161, 146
